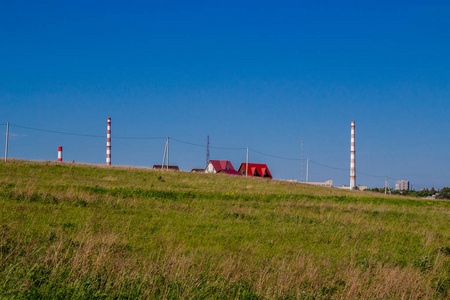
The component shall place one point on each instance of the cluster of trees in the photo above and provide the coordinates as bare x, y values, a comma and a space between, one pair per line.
444, 193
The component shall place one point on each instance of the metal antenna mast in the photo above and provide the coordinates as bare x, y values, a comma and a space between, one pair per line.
207, 150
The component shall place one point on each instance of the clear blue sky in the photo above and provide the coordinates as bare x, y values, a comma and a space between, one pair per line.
260, 74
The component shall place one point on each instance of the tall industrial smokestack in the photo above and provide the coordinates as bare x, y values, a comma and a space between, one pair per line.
108, 143
352, 159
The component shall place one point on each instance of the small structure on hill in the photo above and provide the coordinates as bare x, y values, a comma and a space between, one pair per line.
172, 168
256, 170
229, 172
358, 187
327, 183
198, 170
215, 166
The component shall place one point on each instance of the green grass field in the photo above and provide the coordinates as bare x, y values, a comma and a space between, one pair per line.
91, 232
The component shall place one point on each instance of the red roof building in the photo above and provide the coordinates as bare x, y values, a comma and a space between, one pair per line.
229, 172
257, 170
214, 166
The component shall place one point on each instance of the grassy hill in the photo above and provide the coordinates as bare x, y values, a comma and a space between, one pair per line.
79, 231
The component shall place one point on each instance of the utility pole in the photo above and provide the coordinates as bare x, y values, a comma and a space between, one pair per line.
246, 165
307, 169
164, 157
302, 159
6, 146
207, 150
166, 151
386, 186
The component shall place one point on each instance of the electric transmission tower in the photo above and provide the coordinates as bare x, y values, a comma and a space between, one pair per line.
207, 150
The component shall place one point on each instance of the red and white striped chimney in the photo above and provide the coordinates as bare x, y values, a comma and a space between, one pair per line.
108, 143
59, 153
352, 158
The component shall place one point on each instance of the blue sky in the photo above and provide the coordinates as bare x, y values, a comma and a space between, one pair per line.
260, 74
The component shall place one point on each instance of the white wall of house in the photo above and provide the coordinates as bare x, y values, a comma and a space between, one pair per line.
210, 168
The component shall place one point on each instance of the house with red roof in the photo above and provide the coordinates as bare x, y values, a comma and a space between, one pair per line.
221, 166
256, 170
229, 172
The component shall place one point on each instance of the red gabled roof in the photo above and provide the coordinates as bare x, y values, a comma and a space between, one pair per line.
230, 172
260, 170
222, 165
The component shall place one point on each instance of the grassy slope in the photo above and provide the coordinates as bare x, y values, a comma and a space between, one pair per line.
74, 231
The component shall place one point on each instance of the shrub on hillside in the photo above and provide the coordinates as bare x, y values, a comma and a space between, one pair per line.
444, 193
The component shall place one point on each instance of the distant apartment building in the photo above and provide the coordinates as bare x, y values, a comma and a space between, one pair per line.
402, 185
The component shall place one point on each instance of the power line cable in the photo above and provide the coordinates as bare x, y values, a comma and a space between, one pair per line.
326, 166
188, 143
330, 167
275, 156
121, 137
192, 144
348, 169
287, 158
376, 176
392, 178
139, 138
57, 132
87, 135
228, 148
203, 146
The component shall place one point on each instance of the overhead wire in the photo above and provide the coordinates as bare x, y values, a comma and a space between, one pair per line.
85, 135
203, 146
274, 156
376, 176
57, 132
139, 138
188, 143
330, 167
192, 144
348, 169
228, 148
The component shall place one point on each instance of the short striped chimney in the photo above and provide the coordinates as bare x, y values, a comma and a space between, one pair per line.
59, 153
108, 143
352, 158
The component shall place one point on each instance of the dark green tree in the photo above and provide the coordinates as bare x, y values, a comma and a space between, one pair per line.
444, 193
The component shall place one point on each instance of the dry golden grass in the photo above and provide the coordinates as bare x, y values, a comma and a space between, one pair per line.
77, 231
